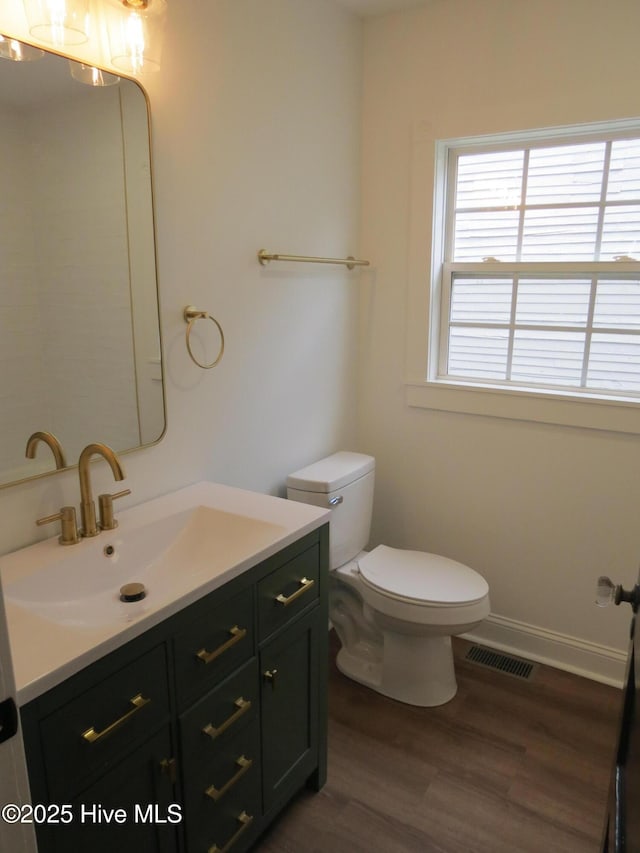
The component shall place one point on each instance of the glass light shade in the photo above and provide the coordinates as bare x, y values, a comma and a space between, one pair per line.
60, 22
17, 51
136, 33
92, 76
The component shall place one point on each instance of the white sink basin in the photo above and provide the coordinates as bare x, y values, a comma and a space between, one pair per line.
169, 556
63, 604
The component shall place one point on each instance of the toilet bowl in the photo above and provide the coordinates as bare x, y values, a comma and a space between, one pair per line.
394, 610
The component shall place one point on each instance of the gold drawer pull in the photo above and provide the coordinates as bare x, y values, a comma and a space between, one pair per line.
237, 634
92, 736
242, 705
216, 793
245, 821
305, 584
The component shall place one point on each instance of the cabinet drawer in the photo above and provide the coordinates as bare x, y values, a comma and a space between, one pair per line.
217, 793
220, 639
91, 732
234, 828
219, 716
287, 591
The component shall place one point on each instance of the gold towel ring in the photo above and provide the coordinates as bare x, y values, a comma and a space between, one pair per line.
192, 314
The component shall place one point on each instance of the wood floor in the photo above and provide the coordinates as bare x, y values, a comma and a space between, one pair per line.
508, 766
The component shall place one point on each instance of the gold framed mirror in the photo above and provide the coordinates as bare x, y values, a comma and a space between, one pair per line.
80, 345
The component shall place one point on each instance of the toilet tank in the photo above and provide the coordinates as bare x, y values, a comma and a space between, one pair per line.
343, 482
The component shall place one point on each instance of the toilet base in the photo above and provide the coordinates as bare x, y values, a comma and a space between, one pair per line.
414, 670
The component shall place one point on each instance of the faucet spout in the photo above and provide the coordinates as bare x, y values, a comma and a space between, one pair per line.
51, 441
87, 506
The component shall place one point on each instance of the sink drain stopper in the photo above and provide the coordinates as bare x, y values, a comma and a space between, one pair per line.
132, 592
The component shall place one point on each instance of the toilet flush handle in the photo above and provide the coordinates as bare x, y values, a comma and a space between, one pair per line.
335, 501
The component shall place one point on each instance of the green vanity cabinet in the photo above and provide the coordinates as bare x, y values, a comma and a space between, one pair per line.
103, 741
201, 729
290, 711
139, 779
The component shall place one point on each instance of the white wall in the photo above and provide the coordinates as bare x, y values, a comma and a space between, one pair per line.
256, 143
540, 510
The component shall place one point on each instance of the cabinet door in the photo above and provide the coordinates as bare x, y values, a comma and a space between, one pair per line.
142, 787
289, 676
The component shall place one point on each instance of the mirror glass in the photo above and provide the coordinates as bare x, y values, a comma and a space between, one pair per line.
80, 353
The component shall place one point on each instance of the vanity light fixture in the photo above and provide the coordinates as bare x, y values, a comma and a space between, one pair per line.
91, 76
136, 33
59, 22
17, 51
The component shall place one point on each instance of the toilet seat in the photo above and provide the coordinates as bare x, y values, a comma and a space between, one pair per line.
420, 578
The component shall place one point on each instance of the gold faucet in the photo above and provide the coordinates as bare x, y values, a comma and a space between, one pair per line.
87, 506
50, 440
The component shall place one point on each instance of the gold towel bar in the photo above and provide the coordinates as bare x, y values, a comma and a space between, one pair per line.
264, 257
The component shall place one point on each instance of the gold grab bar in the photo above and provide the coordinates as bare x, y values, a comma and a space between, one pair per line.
245, 820
244, 764
237, 634
190, 315
92, 736
242, 706
350, 263
305, 584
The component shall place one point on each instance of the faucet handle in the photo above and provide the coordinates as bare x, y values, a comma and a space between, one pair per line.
105, 504
69, 528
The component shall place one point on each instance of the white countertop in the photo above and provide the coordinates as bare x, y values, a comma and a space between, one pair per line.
47, 652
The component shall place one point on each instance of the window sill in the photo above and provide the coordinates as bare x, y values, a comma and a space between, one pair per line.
526, 405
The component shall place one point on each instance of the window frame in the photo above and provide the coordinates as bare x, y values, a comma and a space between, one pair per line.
591, 270
429, 387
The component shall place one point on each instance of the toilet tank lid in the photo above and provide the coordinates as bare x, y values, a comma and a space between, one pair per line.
332, 472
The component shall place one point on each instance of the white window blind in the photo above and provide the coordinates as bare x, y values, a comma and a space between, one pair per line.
541, 280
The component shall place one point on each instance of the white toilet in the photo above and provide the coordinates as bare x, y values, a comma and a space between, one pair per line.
394, 611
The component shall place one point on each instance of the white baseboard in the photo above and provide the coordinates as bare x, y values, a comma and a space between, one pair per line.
600, 663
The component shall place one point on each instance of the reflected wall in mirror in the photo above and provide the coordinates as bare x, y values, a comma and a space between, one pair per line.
80, 353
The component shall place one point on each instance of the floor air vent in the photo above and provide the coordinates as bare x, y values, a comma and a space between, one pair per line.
504, 663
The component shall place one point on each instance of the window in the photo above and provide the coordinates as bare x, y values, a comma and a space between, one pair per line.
540, 272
